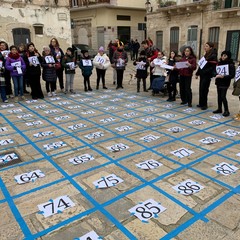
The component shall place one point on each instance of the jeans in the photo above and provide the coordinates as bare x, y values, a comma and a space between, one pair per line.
69, 81
18, 85
3, 93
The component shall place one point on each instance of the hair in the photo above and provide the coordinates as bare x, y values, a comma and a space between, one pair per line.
6, 45
46, 48
173, 52
57, 43
161, 53
13, 46
191, 51
210, 44
145, 42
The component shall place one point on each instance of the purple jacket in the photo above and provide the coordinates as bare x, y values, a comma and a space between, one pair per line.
12, 69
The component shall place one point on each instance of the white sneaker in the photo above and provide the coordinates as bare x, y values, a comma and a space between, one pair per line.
6, 101
54, 93
15, 99
22, 98
49, 94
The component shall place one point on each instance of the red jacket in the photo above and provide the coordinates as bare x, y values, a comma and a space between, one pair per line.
188, 71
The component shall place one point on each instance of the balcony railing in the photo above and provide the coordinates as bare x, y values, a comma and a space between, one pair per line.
163, 3
227, 4
86, 3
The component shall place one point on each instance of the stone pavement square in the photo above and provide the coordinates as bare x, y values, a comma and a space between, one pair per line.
87, 158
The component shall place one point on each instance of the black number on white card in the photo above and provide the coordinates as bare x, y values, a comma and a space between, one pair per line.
188, 188
62, 203
222, 169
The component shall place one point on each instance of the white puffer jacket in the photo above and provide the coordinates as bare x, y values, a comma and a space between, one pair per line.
157, 70
101, 62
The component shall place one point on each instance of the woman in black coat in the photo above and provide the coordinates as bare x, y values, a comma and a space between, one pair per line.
206, 73
223, 80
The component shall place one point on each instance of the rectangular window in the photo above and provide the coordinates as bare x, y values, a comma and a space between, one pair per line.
174, 38
38, 30
159, 40
123, 18
74, 3
213, 36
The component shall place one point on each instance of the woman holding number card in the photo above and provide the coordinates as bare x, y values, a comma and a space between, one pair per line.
49, 74
225, 72
236, 89
186, 73
101, 62
206, 71
33, 73
86, 66
69, 63
16, 65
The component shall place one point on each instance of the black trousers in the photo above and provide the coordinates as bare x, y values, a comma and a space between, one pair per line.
185, 89
8, 83
34, 81
101, 75
222, 98
86, 80
59, 73
172, 88
51, 85
204, 85
120, 77
144, 84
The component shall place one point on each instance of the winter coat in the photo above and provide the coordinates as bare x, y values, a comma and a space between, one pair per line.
33, 70
142, 70
54, 53
157, 69
49, 71
86, 70
13, 70
188, 72
101, 62
173, 74
208, 71
226, 80
68, 59
117, 56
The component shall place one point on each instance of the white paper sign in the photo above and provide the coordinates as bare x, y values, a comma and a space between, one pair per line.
108, 181
237, 74
40, 106
141, 66
81, 159
110, 108
3, 129
54, 145
169, 115
88, 112
16, 64
149, 164
202, 62
147, 210
86, 62
56, 205
189, 110
149, 120
55, 98
25, 116
118, 147
31, 101
8, 158
51, 111
43, 134
150, 110
5, 142
29, 177
94, 135
34, 123
49, 59
158, 62
123, 128
100, 59
7, 105
61, 118
15, 110
225, 168
89, 236
5, 53
209, 140
197, 122
63, 103
149, 138
131, 114
106, 120
222, 70
167, 66
180, 65
217, 116
71, 65
188, 187
74, 107
176, 129
33, 60
231, 133
182, 152
77, 126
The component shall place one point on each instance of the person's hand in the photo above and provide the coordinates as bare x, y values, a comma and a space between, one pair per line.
219, 76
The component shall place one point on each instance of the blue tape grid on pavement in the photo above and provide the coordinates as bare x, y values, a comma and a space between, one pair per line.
145, 149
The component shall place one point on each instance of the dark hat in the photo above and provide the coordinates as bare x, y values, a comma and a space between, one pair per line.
30, 44
84, 51
70, 49
143, 53
228, 53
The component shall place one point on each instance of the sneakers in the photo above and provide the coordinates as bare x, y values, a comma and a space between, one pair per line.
22, 98
104, 87
73, 92
54, 93
62, 90
16, 99
49, 94
5, 101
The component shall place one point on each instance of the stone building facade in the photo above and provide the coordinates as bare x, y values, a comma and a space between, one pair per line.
22, 21
172, 24
96, 22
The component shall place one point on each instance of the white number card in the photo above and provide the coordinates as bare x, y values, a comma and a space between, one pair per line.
56, 205
106, 120
8, 158
180, 65
182, 152
49, 59
77, 126
225, 168
33, 60
3, 129
188, 187
222, 70
43, 134
15, 110
54, 145
147, 210
217, 116
231, 133
176, 129
149, 164
94, 135
149, 138
5, 142
209, 140
237, 74
197, 122
141, 66
202, 62
86, 62
61, 118
118, 147
81, 159
169, 115
89, 236
149, 119
108, 181
34, 123
29, 177
71, 65
123, 128
100, 60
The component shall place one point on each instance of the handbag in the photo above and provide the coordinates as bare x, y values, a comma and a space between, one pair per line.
58, 65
